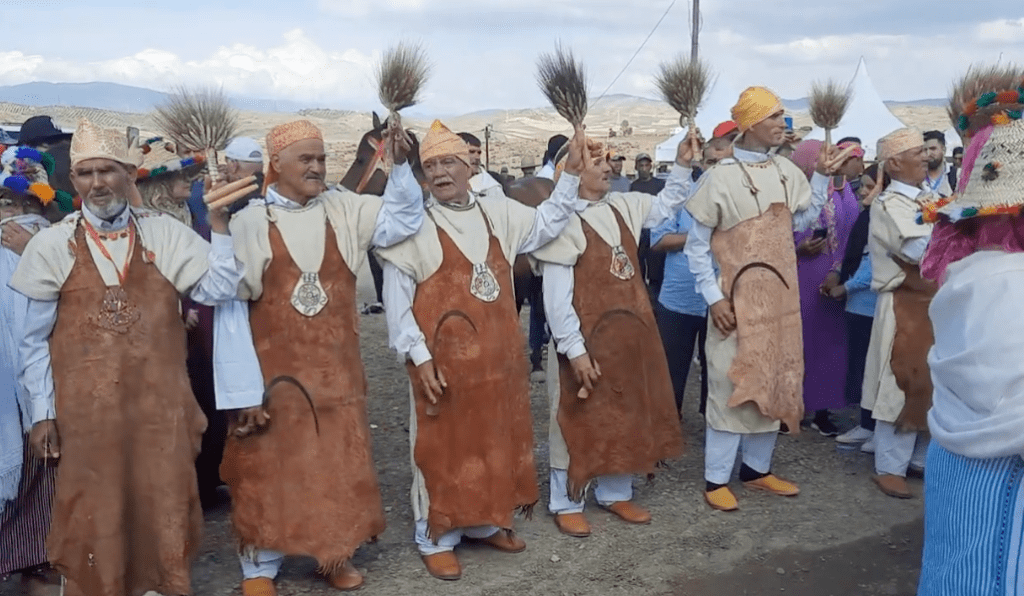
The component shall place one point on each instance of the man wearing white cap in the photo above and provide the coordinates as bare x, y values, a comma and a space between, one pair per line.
244, 158
104, 368
897, 386
451, 314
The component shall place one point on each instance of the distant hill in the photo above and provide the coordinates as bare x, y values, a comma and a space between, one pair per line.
119, 98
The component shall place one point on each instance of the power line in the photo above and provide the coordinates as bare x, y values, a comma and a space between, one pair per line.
638, 50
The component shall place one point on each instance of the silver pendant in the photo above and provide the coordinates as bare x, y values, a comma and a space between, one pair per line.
309, 297
621, 267
483, 285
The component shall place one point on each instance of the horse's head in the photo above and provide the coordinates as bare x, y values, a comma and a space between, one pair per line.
366, 174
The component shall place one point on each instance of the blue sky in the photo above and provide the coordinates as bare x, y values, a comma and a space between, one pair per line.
322, 51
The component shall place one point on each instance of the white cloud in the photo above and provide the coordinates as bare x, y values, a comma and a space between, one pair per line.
297, 69
1003, 30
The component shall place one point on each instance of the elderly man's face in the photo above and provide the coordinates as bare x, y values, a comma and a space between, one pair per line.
474, 157
909, 167
770, 132
447, 178
594, 182
935, 153
301, 169
104, 185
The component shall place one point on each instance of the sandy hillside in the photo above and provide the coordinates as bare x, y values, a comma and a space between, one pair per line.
516, 133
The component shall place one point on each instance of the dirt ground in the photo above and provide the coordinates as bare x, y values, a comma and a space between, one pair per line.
840, 536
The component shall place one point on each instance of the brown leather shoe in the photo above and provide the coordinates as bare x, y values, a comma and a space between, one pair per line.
630, 512
572, 524
893, 485
346, 578
443, 565
258, 586
504, 540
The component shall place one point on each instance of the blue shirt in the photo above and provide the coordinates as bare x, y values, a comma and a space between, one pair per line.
860, 298
678, 289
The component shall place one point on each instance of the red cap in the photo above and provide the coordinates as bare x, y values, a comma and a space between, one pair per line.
724, 128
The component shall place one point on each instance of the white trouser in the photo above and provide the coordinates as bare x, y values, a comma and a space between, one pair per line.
894, 450
722, 446
263, 563
609, 489
449, 541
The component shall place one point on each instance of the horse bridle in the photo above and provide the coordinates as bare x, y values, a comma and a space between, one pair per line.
374, 165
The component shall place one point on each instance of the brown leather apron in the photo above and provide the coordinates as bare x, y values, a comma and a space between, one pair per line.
629, 422
126, 517
910, 346
293, 488
476, 453
758, 272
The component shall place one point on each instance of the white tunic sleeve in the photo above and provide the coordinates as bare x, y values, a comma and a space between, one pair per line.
805, 218
237, 378
220, 282
401, 215
553, 214
404, 334
559, 282
698, 252
36, 374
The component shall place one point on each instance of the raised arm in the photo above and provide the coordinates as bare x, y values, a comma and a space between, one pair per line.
401, 213
551, 216
679, 186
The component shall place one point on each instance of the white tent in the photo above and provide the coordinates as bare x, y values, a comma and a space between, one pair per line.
952, 140
867, 118
716, 109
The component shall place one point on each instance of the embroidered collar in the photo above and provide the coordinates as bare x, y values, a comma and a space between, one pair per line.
452, 207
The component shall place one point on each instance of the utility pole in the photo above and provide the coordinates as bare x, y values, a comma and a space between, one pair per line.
487, 147
696, 30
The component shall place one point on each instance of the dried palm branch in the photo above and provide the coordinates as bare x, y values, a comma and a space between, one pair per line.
977, 81
401, 75
563, 81
827, 104
685, 84
198, 119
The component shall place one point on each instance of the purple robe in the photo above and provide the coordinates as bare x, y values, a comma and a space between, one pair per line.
824, 326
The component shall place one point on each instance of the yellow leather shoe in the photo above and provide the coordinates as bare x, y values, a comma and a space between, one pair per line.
722, 499
258, 586
347, 578
774, 485
443, 565
630, 512
572, 524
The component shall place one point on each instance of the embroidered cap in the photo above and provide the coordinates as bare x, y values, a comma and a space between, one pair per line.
755, 105
898, 141
283, 135
440, 141
93, 142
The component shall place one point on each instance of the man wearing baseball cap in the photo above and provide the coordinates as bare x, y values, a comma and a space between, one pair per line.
244, 158
619, 183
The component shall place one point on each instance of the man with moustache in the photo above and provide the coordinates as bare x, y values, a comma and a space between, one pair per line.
612, 411
298, 458
745, 210
104, 368
937, 180
901, 333
451, 314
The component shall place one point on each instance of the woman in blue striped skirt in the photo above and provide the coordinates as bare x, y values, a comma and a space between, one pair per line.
974, 489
